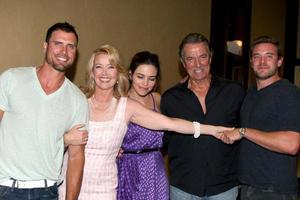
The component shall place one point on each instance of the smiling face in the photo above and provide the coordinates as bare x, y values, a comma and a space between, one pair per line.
60, 51
143, 79
265, 61
196, 60
105, 74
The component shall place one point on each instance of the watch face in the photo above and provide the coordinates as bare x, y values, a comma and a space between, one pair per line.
242, 132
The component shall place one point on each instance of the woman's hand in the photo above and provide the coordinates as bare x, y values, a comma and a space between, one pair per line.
76, 136
219, 133
120, 153
233, 134
214, 130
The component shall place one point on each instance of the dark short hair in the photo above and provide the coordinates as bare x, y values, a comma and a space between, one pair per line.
266, 39
144, 57
65, 26
193, 38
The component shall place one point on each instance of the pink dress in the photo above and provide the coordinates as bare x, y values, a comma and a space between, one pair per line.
100, 178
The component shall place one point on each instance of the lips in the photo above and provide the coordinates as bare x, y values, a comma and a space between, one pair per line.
141, 91
145, 89
104, 79
262, 67
61, 59
198, 70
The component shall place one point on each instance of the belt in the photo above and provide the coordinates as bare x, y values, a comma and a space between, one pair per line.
28, 184
141, 151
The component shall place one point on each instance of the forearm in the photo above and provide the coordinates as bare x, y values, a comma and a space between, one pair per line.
180, 126
188, 127
152, 120
212, 130
74, 174
279, 141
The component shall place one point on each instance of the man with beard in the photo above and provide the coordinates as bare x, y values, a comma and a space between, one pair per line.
270, 115
37, 106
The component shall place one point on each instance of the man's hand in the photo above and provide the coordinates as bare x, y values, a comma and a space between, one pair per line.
233, 135
219, 133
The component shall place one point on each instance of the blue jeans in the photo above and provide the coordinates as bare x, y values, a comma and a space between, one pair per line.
11, 193
177, 194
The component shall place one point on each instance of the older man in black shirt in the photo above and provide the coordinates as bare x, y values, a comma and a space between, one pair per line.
204, 167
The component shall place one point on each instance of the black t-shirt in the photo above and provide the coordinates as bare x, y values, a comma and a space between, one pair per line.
273, 108
203, 166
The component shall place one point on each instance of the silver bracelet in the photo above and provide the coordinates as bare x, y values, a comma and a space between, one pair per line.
197, 131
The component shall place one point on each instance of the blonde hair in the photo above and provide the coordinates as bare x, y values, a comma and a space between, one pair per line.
122, 85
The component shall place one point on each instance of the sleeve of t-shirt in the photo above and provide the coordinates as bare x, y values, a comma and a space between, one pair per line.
288, 104
5, 78
82, 114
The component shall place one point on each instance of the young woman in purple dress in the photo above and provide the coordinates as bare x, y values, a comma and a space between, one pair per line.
141, 171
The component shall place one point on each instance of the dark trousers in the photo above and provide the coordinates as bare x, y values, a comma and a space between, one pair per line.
251, 193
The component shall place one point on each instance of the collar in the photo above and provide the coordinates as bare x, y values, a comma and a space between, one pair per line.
215, 81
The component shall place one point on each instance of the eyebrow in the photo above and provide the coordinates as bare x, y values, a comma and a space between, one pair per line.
265, 53
62, 42
144, 74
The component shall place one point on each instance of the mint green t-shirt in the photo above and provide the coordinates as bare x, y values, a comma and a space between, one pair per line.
33, 124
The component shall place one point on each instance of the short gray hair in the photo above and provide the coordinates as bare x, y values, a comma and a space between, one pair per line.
193, 38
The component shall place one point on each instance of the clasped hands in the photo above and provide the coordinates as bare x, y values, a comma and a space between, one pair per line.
228, 136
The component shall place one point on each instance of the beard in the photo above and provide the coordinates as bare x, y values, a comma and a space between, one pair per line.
57, 66
263, 76
61, 68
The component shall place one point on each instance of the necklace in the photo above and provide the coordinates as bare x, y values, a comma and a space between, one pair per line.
107, 107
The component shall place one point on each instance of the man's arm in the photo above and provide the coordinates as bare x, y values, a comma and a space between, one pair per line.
287, 142
74, 171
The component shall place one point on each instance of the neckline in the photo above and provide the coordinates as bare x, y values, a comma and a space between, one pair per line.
268, 86
40, 88
113, 118
153, 101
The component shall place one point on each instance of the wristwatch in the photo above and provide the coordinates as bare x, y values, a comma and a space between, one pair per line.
242, 132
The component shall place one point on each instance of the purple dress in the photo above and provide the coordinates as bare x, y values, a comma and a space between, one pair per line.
141, 170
